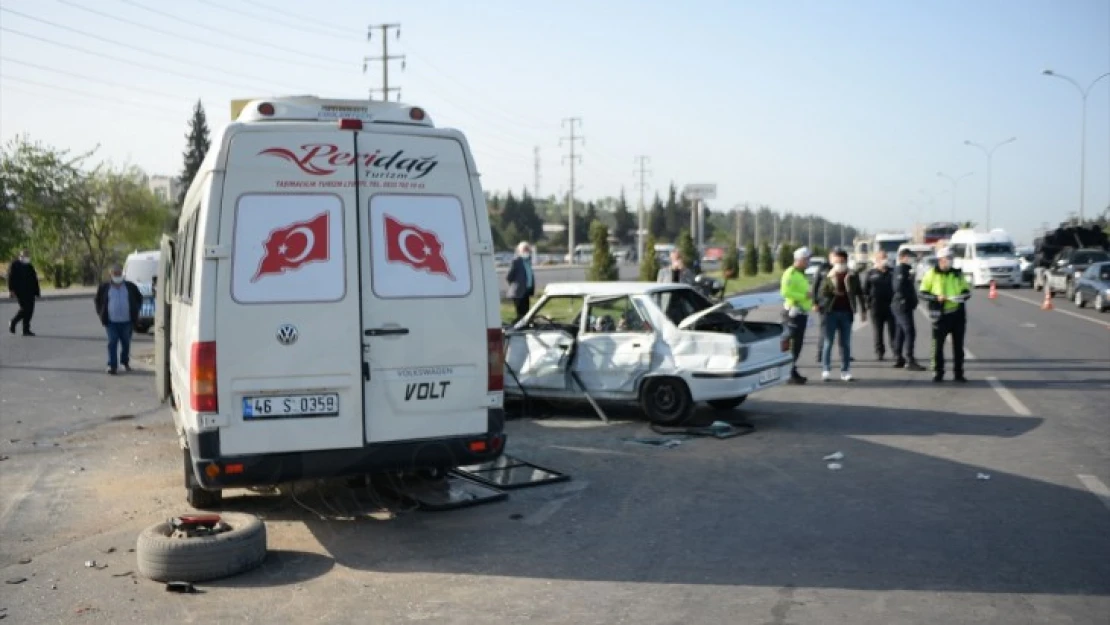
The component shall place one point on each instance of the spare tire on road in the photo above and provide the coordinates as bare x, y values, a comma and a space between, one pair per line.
165, 553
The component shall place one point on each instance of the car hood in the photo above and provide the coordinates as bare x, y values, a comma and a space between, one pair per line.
741, 304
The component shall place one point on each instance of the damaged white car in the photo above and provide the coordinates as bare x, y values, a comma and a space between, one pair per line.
663, 345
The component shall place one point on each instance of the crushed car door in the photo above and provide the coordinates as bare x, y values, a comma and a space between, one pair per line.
539, 351
614, 350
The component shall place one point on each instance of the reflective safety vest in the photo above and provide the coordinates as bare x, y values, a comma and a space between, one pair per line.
795, 290
944, 283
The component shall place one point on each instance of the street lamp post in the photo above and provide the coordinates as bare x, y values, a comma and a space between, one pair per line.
955, 181
1083, 93
990, 158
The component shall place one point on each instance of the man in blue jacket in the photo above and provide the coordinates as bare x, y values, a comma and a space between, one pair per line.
117, 304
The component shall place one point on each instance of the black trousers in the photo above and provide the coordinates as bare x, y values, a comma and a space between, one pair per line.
905, 335
954, 324
26, 311
882, 321
522, 305
796, 326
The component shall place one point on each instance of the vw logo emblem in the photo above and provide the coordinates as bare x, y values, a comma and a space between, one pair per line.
287, 334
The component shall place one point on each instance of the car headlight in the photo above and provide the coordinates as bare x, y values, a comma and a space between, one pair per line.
1078, 273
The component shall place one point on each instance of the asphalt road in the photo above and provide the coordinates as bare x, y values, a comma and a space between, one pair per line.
754, 529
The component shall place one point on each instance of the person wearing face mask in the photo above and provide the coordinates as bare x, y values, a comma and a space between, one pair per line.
815, 295
946, 290
522, 284
23, 286
797, 304
902, 306
841, 298
878, 290
677, 272
117, 304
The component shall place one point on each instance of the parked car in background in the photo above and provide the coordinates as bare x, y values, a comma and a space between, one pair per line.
1026, 264
1093, 287
1067, 267
815, 265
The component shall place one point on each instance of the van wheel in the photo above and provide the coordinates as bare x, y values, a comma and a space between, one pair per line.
666, 401
198, 497
164, 554
726, 404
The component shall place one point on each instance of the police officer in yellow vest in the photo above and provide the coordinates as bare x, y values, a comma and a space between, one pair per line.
945, 290
797, 302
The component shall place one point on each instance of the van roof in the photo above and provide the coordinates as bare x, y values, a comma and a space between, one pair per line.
967, 235
312, 108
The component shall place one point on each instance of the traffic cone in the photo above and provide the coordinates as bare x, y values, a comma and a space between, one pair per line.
1047, 305
994, 291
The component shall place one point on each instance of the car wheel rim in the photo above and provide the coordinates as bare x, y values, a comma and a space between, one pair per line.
666, 399
1078, 299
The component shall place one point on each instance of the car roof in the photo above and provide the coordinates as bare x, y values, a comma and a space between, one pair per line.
611, 288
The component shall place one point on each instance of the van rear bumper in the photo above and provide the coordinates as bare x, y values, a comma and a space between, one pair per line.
274, 469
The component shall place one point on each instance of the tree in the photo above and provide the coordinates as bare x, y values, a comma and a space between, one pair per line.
751, 260
657, 219
604, 266
786, 256
766, 259
528, 221
730, 265
624, 222
649, 264
685, 245
675, 217
197, 143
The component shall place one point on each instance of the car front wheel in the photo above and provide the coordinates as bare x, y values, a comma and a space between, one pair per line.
1079, 303
666, 401
1100, 303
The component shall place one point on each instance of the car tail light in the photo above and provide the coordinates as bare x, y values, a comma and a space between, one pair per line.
784, 344
496, 355
202, 377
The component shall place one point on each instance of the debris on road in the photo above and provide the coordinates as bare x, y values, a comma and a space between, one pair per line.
655, 442
983, 476
835, 466
25, 560
91, 564
181, 587
835, 456
125, 574
3, 458
16, 580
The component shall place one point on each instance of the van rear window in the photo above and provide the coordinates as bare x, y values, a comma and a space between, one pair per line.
288, 248
419, 246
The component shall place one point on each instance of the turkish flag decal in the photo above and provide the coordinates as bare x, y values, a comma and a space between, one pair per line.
290, 247
413, 246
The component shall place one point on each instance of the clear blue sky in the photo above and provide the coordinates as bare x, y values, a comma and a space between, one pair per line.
843, 108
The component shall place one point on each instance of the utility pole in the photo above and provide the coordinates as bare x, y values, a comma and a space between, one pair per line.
641, 211
755, 238
825, 237
739, 227
774, 230
571, 158
536, 181
793, 229
841, 236
385, 58
810, 220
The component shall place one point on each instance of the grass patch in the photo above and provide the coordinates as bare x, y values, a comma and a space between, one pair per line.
746, 282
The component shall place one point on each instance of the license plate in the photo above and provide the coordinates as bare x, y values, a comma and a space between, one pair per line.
768, 375
280, 406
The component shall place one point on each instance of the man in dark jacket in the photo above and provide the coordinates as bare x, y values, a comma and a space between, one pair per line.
878, 289
522, 283
117, 304
902, 307
23, 286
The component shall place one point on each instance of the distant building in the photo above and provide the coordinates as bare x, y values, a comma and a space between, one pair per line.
165, 187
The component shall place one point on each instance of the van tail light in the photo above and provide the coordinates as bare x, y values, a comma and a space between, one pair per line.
350, 124
496, 354
202, 377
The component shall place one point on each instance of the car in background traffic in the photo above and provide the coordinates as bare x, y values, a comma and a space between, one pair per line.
1026, 264
815, 265
921, 268
141, 269
1093, 287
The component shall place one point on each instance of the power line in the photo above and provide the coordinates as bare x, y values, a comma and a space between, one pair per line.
119, 59
385, 58
295, 16
193, 39
230, 33
123, 45
256, 16
84, 93
96, 80
572, 159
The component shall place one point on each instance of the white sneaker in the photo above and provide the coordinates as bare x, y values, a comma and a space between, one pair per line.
847, 377
825, 376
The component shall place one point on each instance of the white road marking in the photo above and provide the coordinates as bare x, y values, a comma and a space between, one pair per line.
1057, 309
1097, 488
1008, 397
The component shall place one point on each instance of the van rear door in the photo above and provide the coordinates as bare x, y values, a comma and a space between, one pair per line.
287, 301
424, 288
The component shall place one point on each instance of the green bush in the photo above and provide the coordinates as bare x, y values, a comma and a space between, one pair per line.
786, 256
649, 265
686, 248
730, 265
604, 266
751, 260
766, 260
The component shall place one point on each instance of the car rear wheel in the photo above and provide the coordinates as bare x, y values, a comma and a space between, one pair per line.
1079, 303
1100, 303
666, 401
726, 404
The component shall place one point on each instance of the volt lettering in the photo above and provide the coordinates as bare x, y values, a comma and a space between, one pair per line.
426, 390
